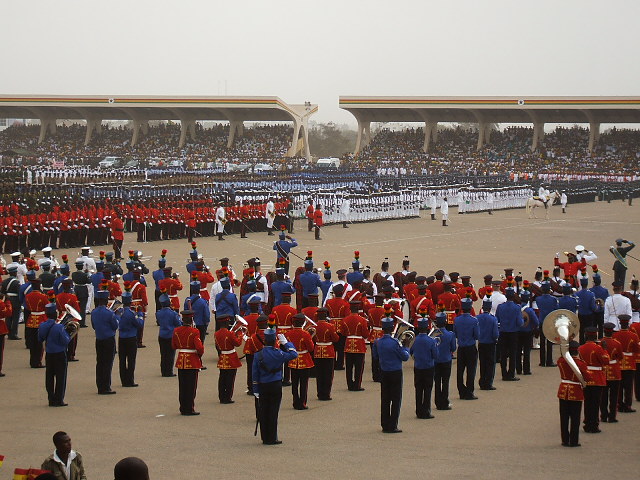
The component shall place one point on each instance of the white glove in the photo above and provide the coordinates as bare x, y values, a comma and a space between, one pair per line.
282, 339
557, 254
257, 395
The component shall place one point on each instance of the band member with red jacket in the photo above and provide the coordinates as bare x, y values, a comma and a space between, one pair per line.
338, 308
172, 285
302, 365
117, 234
309, 214
324, 354
67, 298
186, 342
318, 221
596, 359
34, 303
253, 345
355, 330
5, 312
609, 402
570, 395
630, 347
228, 361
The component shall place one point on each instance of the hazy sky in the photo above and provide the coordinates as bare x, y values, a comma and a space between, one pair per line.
303, 50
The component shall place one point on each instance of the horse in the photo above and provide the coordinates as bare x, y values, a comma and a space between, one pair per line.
533, 202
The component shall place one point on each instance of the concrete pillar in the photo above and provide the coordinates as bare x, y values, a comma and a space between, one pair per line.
236, 127
538, 135
93, 125
47, 125
293, 149
487, 133
482, 127
430, 133
187, 127
364, 135
594, 134
305, 138
139, 124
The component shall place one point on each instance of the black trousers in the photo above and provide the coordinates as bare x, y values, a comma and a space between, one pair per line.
619, 275
71, 348
117, 248
441, 376
339, 348
156, 294
354, 369
34, 346
390, 399
187, 386
592, 397
523, 358
487, 360
467, 361
598, 321
423, 382
625, 396
105, 354
83, 310
226, 381
609, 400
12, 321
546, 351
249, 359
270, 398
637, 382
570, 421
300, 386
585, 322
309, 224
375, 369
2, 341
324, 377
203, 332
167, 356
508, 351
127, 351
56, 377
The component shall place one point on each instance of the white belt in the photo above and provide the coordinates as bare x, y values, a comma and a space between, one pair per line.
284, 327
571, 382
628, 354
376, 328
203, 289
613, 362
300, 352
186, 350
12, 294
323, 344
354, 336
173, 296
593, 368
227, 352
42, 313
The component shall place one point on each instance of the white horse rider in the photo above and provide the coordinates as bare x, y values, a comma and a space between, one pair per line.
546, 200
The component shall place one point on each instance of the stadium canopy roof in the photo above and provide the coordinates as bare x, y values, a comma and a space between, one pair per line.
141, 109
489, 110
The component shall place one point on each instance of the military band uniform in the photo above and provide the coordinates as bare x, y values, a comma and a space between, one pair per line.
105, 324
424, 352
130, 323
570, 397
324, 358
186, 342
390, 355
56, 341
168, 319
442, 371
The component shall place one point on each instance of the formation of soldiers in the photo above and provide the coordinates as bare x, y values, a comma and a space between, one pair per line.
329, 319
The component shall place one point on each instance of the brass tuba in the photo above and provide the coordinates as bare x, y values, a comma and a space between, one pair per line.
560, 327
403, 330
309, 325
70, 320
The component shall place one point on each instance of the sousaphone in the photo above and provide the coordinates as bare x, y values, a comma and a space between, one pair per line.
561, 327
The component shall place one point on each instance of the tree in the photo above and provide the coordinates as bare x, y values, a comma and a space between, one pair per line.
331, 140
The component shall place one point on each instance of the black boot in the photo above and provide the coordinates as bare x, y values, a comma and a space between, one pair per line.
444, 223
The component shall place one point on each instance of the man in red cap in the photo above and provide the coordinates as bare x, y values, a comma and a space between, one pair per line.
186, 342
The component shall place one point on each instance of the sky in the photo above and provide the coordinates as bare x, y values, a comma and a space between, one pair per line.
318, 50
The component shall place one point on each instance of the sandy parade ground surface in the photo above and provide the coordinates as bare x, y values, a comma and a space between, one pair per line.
510, 432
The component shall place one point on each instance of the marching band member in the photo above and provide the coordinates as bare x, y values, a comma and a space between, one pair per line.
324, 354
355, 330
465, 327
424, 352
56, 340
34, 311
105, 324
168, 319
570, 396
630, 348
186, 342
596, 359
228, 362
130, 322
442, 371
488, 336
301, 365
610, 393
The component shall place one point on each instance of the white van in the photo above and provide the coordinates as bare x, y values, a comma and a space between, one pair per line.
110, 162
332, 162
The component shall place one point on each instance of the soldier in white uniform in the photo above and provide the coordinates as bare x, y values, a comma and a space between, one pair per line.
444, 211
490, 198
220, 221
22, 268
46, 251
433, 204
345, 210
563, 202
270, 216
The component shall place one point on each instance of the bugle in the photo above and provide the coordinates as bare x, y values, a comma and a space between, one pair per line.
240, 325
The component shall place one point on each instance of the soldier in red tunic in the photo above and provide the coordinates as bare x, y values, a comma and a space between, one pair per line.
596, 359
5, 312
34, 303
187, 344
324, 354
302, 365
422, 301
171, 285
117, 234
228, 361
283, 314
376, 314
570, 396
309, 214
630, 347
609, 401
451, 303
318, 221
355, 330
338, 308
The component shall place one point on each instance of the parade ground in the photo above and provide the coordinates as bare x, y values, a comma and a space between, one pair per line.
512, 432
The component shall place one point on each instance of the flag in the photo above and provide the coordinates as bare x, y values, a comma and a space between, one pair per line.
1, 459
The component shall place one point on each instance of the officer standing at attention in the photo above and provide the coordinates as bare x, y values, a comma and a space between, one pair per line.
390, 354
466, 329
56, 341
509, 315
105, 324
267, 382
424, 352
283, 246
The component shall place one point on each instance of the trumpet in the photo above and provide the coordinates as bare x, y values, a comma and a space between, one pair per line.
70, 320
309, 325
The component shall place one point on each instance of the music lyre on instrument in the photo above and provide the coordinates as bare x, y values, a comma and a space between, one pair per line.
560, 327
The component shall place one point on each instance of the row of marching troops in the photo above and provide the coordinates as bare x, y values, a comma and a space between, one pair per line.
333, 333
